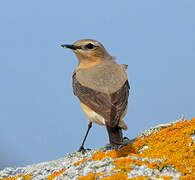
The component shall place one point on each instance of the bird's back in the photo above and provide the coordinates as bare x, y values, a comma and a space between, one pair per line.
106, 77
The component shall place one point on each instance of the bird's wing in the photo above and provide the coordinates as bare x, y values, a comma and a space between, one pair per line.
110, 106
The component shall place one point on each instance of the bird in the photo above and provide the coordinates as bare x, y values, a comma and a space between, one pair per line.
102, 87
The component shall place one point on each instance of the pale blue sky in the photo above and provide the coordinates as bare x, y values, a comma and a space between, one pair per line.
40, 117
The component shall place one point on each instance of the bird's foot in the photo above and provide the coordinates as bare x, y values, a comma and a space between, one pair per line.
111, 146
125, 138
125, 141
83, 150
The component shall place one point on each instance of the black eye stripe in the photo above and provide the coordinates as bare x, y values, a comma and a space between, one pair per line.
89, 46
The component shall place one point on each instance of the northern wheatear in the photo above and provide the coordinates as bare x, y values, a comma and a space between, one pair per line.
102, 88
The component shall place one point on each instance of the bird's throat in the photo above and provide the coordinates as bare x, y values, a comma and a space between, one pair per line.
88, 64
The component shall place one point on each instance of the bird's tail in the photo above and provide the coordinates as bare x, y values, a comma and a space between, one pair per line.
115, 135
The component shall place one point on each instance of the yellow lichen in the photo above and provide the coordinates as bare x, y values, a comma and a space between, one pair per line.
55, 174
98, 156
124, 164
173, 145
116, 176
91, 176
24, 177
165, 177
141, 178
80, 162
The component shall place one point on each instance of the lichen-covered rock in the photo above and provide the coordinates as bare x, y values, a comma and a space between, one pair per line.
163, 152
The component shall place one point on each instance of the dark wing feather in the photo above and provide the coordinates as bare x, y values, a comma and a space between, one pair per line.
110, 106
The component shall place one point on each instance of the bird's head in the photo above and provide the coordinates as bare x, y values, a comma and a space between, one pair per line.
88, 50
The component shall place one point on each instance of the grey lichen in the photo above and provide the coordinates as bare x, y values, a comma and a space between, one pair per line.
159, 127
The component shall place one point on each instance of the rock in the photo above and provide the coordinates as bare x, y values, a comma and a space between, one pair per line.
152, 156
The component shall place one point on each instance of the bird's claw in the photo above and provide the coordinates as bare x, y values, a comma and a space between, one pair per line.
81, 149
125, 138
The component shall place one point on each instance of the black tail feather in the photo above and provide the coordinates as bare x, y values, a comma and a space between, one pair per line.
115, 135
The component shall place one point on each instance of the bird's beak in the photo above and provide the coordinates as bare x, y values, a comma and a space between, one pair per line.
70, 46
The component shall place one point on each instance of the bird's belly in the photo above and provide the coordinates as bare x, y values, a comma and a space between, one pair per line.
92, 116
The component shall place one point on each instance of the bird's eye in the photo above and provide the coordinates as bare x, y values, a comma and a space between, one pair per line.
89, 46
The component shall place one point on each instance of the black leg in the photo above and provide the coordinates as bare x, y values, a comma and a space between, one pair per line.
82, 145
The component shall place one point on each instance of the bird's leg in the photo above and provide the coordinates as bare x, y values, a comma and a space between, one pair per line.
82, 145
